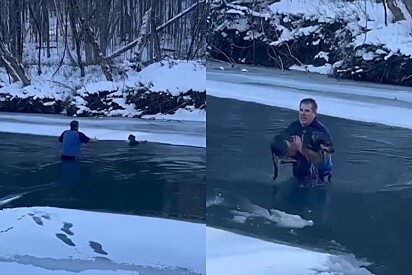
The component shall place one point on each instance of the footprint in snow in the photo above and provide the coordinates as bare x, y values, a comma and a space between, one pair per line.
65, 239
66, 228
98, 248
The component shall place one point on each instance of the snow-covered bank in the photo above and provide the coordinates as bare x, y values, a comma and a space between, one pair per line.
229, 253
46, 240
165, 87
346, 39
188, 114
185, 134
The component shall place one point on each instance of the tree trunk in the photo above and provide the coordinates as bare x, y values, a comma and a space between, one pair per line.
155, 43
386, 12
76, 39
408, 5
19, 36
104, 14
63, 27
91, 37
140, 39
396, 11
38, 27
13, 66
158, 29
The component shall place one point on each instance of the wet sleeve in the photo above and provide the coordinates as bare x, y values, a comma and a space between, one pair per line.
83, 138
329, 135
61, 137
326, 131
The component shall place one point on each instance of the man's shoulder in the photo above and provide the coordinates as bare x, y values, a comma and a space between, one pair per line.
319, 126
81, 134
63, 133
83, 137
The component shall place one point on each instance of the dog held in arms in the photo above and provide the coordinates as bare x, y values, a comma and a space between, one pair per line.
316, 141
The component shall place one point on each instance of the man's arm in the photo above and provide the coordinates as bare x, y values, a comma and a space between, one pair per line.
297, 146
61, 137
312, 156
86, 139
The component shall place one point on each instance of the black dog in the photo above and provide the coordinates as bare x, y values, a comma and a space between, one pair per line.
132, 140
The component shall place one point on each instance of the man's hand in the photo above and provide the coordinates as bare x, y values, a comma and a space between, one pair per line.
296, 144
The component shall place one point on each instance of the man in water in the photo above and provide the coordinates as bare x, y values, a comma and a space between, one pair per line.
71, 141
307, 144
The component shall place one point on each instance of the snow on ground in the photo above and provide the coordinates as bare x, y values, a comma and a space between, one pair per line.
188, 114
174, 76
105, 128
47, 240
360, 14
326, 69
329, 11
233, 254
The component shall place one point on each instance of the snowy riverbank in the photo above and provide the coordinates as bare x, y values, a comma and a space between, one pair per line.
343, 39
48, 240
170, 89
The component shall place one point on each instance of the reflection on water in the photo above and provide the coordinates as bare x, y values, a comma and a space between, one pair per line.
365, 211
70, 172
148, 179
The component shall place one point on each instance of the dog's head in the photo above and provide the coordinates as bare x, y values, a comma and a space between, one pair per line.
279, 146
323, 141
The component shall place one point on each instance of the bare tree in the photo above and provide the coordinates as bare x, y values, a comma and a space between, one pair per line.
92, 39
396, 11
84, 32
15, 68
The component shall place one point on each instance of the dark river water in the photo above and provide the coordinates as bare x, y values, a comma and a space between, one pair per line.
147, 179
366, 211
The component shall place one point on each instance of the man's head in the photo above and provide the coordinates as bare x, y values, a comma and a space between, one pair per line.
308, 109
74, 125
132, 137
